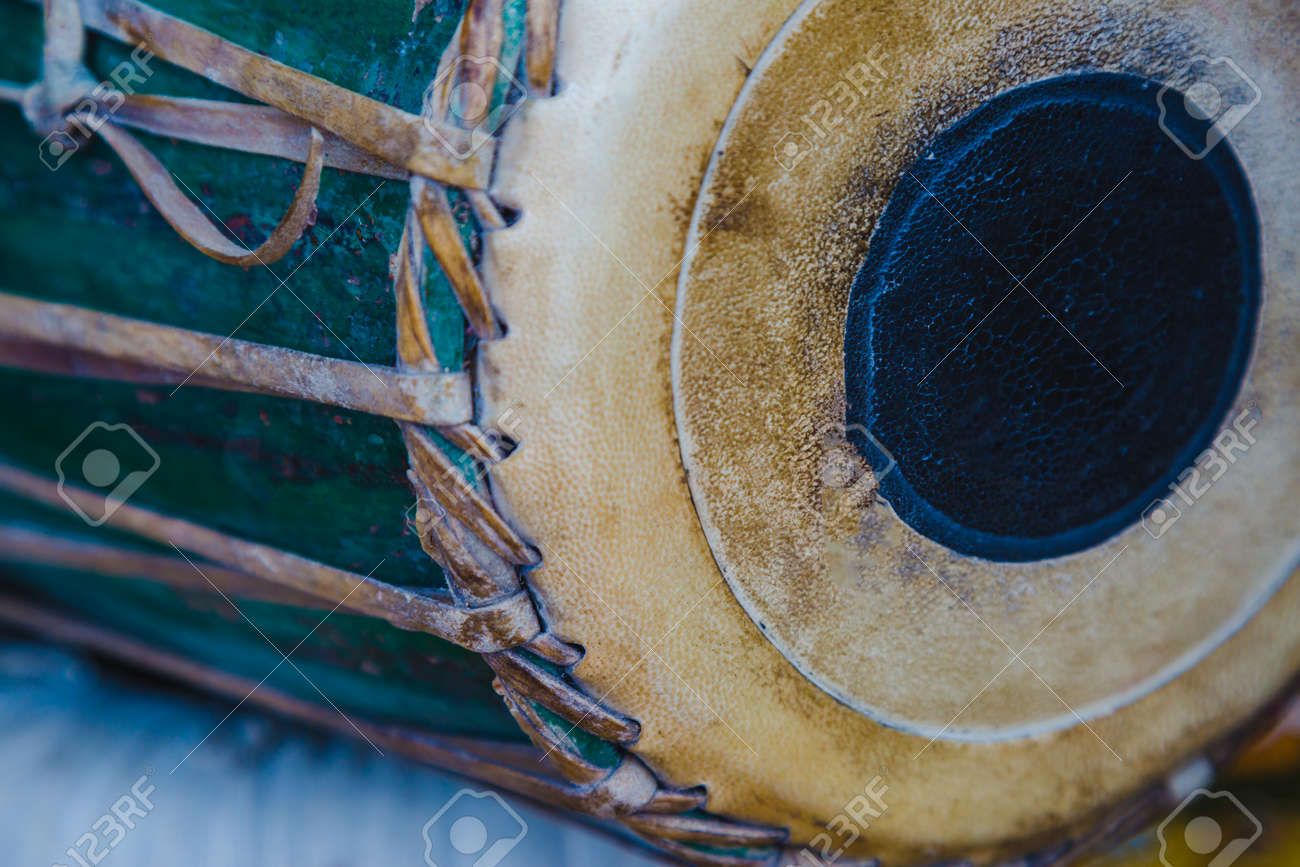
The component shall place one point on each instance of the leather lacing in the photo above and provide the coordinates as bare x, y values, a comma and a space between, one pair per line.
488, 608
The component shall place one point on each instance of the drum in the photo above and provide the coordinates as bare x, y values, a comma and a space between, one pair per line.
848, 432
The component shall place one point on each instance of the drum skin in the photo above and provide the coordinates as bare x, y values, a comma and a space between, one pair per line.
607, 177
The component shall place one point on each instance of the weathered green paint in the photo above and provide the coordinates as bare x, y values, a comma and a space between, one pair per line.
114, 252
363, 665
325, 483
319, 481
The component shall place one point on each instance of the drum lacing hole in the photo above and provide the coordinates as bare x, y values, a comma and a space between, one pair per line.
506, 443
509, 214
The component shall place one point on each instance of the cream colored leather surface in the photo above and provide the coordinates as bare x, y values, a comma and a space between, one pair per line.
840, 582
605, 175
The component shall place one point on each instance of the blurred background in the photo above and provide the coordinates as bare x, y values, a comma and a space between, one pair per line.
174, 777
80, 740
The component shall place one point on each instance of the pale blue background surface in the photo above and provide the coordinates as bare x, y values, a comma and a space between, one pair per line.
259, 791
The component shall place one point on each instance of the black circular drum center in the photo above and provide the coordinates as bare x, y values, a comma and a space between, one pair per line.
1053, 318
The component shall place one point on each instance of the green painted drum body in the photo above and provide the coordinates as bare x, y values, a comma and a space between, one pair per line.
320, 481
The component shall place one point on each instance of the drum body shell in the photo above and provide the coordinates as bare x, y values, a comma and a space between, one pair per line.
320, 481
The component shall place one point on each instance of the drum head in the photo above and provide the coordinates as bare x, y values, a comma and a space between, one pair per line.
908, 394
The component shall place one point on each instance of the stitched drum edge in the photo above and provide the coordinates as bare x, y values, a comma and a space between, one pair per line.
551, 708
673, 819
484, 557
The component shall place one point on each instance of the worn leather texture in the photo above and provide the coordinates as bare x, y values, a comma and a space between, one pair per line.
606, 176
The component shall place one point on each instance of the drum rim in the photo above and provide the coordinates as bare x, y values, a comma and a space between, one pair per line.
518, 483
813, 630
